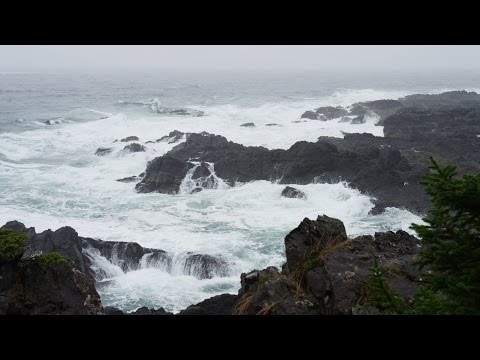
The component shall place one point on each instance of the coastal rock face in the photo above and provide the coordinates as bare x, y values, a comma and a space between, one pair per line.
369, 167
163, 174
205, 266
326, 273
325, 113
217, 305
443, 101
291, 192
389, 168
64, 241
173, 137
133, 148
130, 138
127, 256
110, 310
146, 311
33, 284
312, 235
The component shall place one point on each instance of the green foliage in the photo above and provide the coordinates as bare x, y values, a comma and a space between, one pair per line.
43, 260
378, 294
450, 244
12, 244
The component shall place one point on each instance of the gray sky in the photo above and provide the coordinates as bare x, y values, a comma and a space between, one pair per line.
238, 57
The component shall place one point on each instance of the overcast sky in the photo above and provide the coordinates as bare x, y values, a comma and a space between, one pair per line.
238, 57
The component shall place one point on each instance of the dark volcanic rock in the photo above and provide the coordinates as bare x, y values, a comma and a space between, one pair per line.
135, 147
312, 115
205, 266
16, 226
130, 138
201, 171
103, 151
173, 137
217, 305
327, 274
164, 174
110, 310
30, 286
312, 234
126, 255
291, 192
56, 289
443, 101
382, 108
349, 266
360, 160
64, 241
146, 311
248, 125
325, 113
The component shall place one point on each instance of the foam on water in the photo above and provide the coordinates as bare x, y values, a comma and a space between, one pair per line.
50, 177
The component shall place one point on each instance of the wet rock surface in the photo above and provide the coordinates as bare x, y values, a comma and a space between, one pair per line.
325, 273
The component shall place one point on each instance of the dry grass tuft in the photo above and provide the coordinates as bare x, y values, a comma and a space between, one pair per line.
244, 305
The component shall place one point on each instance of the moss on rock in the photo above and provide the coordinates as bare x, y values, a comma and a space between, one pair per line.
12, 244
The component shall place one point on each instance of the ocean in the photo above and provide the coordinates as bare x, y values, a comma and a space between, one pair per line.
50, 177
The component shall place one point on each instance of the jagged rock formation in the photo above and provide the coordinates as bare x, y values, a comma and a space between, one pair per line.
291, 192
325, 274
445, 126
134, 147
32, 284
84, 253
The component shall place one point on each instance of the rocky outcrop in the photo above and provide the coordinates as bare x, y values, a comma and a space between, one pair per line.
444, 101
33, 284
312, 235
325, 113
85, 253
291, 192
129, 138
373, 169
326, 273
205, 266
133, 148
389, 168
173, 137
146, 311
250, 124
110, 310
217, 305
163, 174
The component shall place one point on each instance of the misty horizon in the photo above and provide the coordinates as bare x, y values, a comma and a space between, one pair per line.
239, 58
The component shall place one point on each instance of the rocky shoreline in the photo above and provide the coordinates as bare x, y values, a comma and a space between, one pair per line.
326, 272
388, 168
